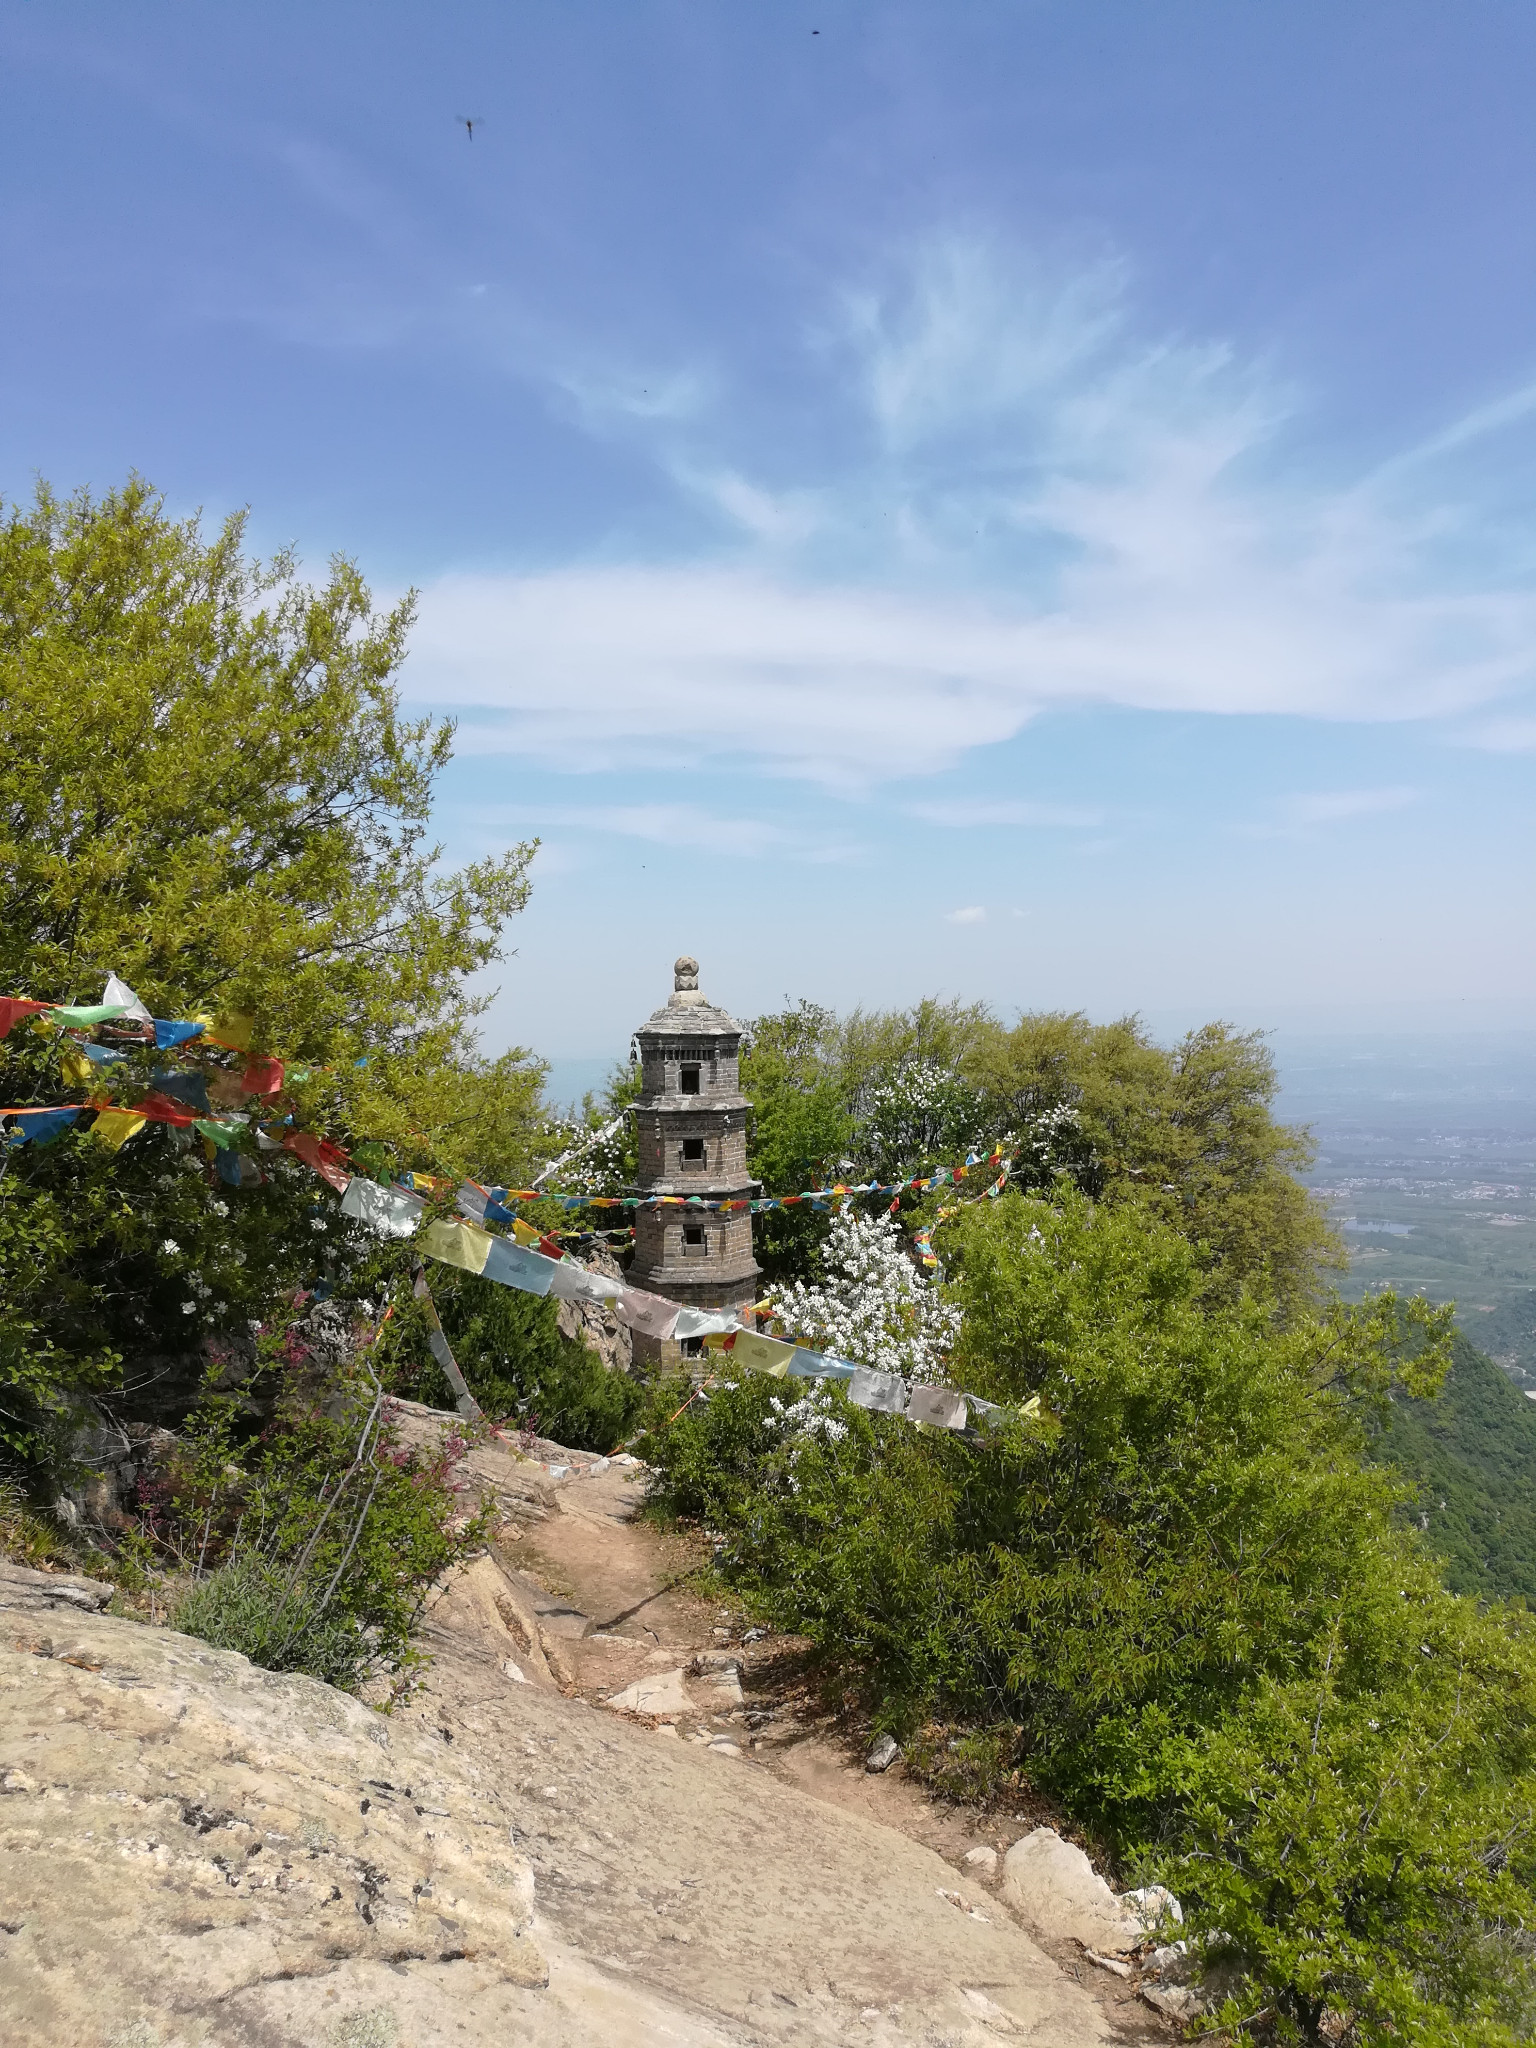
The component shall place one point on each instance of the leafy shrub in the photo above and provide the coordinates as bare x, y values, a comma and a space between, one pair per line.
518, 1365
250, 1605
1182, 1603
320, 1547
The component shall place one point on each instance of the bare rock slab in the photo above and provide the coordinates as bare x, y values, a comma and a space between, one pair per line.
1057, 1892
180, 1828
24, 1591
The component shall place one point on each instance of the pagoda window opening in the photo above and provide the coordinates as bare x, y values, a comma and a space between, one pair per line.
695, 1241
692, 1347
688, 1080
693, 1151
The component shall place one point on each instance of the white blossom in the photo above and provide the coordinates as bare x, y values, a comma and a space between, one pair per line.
189, 1308
873, 1308
171, 1248
219, 1208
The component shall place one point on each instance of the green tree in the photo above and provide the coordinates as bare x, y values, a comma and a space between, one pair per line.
1187, 1133
1181, 1602
210, 790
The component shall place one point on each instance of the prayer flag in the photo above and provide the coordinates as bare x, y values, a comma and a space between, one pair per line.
118, 992
41, 1127
221, 1131
648, 1313
941, 1406
570, 1282
328, 1160
762, 1354
262, 1077
162, 1110
233, 1030
75, 1067
114, 1127
389, 1211
13, 1008
525, 1232
77, 1018
704, 1322
171, 1031
513, 1265
457, 1244
814, 1365
229, 1166
191, 1089
881, 1391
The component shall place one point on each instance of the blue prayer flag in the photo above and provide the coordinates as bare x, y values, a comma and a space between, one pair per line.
43, 1128
169, 1032
191, 1089
513, 1265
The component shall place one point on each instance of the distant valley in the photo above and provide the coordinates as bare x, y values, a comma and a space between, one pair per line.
1427, 1157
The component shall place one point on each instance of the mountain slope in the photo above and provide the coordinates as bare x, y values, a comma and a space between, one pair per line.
1472, 1454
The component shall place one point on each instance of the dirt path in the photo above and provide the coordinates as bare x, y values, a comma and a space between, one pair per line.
719, 1845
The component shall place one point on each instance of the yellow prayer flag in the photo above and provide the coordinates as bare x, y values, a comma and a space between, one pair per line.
233, 1030
114, 1127
762, 1354
525, 1232
77, 1069
457, 1244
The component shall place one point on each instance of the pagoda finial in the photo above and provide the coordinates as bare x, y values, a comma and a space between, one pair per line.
685, 973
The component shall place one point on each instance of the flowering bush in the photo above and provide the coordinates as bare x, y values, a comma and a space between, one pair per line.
873, 1306
916, 1115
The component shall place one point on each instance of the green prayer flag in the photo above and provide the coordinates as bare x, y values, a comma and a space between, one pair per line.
79, 1019
221, 1131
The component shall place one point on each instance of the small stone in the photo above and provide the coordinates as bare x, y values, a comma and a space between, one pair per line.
1173, 2001
514, 1671
663, 1696
1152, 1905
1174, 1958
981, 1860
666, 1728
1058, 1894
1111, 1963
882, 1753
722, 1747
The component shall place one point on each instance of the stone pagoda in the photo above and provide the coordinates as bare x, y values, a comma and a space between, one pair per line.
691, 1134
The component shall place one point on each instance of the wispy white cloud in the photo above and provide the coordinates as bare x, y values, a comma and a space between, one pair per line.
1033, 505
974, 913
1070, 817
677, 824
1515, 733
1338, 806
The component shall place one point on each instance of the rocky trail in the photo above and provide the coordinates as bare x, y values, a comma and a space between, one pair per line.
608, 1815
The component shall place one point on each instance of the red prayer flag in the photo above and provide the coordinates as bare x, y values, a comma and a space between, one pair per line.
14, 1008
262, 1077
328, 1160
161, 1109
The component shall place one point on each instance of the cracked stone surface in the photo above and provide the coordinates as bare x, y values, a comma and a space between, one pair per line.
195, 1853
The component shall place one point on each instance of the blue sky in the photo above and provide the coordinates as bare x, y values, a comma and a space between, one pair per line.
1031, 502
